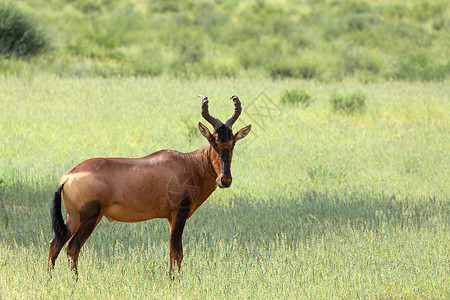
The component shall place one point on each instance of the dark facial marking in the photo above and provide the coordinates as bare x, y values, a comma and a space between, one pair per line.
224, 134
226, 163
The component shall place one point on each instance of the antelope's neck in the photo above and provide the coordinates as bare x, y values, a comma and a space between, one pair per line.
201, 160
201, 164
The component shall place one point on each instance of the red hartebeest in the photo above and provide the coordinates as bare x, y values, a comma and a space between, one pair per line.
165, 184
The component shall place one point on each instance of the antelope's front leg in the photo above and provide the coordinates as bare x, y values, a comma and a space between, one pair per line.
176, 224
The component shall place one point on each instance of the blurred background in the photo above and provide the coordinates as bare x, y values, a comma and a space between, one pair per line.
363, 41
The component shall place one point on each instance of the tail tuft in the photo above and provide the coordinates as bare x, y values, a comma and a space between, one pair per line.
58, 225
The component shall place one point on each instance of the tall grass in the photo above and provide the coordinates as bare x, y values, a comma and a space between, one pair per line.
322, 205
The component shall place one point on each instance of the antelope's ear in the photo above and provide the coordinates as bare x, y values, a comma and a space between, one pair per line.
242, 133
204, 131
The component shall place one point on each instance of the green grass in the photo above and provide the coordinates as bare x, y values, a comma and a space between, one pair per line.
322, 205
365, 41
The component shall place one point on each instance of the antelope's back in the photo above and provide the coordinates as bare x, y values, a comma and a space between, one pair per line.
128, 189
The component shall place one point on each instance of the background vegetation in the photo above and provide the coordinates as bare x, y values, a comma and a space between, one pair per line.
324, 40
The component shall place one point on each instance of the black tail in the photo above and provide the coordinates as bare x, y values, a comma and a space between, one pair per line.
58, 225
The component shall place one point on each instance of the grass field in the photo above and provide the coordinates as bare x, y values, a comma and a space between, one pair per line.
323, 204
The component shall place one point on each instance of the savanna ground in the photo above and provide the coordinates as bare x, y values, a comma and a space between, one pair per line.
323, 203
340, 190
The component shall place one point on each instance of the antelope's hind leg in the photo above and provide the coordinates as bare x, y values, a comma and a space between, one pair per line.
72, 223
90, 216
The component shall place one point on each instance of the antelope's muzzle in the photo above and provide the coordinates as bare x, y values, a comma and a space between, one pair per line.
225, 182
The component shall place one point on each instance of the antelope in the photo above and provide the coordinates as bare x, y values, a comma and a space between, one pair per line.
165, 184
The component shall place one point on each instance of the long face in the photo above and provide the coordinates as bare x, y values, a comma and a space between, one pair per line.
222, 142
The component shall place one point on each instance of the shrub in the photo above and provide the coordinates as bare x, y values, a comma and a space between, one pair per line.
292, 69
214, 67
418, 66
355, 60
296, 96
165, 6
306, 70
280, 69
87, 6
424, 11
348, 104
18, 33
146, 67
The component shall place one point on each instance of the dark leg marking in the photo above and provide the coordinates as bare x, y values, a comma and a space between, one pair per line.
89, 218
176, 232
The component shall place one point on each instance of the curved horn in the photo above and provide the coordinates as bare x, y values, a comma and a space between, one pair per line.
216, 123
237, 111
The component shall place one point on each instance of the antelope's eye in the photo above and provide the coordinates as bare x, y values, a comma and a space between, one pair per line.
215, 146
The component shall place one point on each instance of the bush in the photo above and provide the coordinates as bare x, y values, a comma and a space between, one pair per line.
348, 104
296, 96
146, 67
418, 65
354, 60
289, 69
18, 33
280, 69
87, 6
